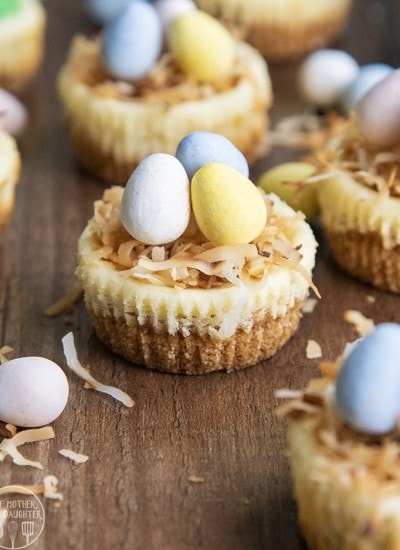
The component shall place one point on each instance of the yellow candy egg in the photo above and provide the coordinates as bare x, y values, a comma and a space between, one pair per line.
203, 47
228, 207
287, 181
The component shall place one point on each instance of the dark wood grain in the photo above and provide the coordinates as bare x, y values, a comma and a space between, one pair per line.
137, 490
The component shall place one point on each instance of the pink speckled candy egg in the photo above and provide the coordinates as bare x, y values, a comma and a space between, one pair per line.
13, 113
378, 112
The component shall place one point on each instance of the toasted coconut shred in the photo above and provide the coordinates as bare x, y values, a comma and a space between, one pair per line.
191, 261
78, 458
74, 364
352, 456
346, 151
166, 83
9, 446
362, 324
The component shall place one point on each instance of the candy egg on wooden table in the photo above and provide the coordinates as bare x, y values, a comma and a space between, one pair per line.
228, 207
13, 113
155, 206
289, 182
367, 77
198, 148
170, 9
325, 74
33, 391
378, 112
202, 46
368, 384
132, 41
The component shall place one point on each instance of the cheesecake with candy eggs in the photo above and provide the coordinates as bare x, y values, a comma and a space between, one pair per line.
282, 30
360, 195
115, 117
194, 303
22, 34
344, 447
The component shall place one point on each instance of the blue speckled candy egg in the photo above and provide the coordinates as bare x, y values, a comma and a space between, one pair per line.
102, 11
325, 74
368, 76
199, 148
368, 384
132, 41
155, 205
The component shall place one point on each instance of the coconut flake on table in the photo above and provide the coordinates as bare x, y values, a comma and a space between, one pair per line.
91, 383
9, 446
362, 324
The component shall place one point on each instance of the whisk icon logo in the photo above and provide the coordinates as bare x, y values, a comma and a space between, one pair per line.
22, 517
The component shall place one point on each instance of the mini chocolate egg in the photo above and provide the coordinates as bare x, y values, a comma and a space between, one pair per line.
200, 148
203, 47
170, 9
33, 391
132, 41
13, 113
228, 207
368, 384
102, 11
155, 206
368, 76
285, 181
378, 112
325, 74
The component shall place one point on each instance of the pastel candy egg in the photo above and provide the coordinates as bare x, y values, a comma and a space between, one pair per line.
132, 41
285, 181
203, 47
228, 207
368, 76
200, 148
9, 7
33, 391
325, 74
102, 11
155, 206
170, 9
13, 113
378, 112
368, 384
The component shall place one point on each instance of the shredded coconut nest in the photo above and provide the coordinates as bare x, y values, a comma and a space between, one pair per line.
370, 459
165, 83
191, 261
346, 151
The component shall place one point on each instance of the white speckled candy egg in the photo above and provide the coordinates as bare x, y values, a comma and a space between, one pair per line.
203, 47
378, 112
325, 74
102, 11
199, 148
368, 384
170, 9
132, 41
228, 207
155, 206
368, 76
13, 113
33, 391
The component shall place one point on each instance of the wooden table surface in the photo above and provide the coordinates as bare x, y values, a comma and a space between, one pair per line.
198, 462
